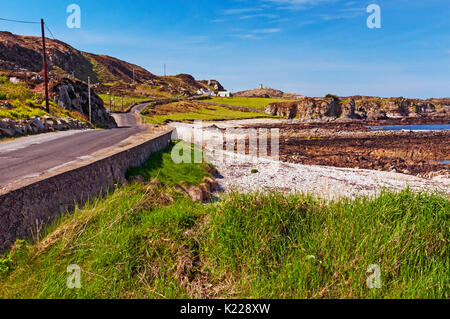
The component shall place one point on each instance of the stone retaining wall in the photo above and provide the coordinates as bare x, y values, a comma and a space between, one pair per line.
10, 128
24, 210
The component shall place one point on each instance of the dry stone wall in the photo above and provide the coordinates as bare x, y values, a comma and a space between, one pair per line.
35, 125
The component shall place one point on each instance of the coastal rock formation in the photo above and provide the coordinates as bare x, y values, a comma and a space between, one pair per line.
365, 108
307, 108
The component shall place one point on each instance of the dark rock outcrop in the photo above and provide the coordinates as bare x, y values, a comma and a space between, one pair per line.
213, 85
73, 96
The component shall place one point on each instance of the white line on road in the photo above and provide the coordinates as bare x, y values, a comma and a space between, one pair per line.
80, 158
60, 166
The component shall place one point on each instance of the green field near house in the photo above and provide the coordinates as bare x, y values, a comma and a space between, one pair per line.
201, 111
219, 113
250, 102
148, 240
121, 103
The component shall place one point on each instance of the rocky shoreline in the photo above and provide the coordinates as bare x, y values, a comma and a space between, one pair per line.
352, 144
245, 173
331, 159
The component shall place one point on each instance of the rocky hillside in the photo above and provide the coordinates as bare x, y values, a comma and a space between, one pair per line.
21, 57
357, 107
23, 53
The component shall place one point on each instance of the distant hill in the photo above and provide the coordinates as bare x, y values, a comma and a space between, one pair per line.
21, 54
266, 93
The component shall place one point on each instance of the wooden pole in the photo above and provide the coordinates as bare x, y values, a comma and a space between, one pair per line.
44, 61
89, 99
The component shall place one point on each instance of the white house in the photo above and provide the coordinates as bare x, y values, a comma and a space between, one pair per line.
224, 94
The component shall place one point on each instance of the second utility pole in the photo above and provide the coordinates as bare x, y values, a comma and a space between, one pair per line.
89, 98
44, 61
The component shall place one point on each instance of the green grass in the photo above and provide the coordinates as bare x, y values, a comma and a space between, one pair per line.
20, 91
121, 103
160, 165
211, 113
27, 104
266, 243
250, 102
149, 241
26, 110
21, 111
247, 246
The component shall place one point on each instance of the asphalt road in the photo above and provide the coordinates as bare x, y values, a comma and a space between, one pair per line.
129, 119
33, 155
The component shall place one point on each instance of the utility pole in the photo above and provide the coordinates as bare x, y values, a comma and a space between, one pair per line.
44, 61
109, 93
164, 69
89, 98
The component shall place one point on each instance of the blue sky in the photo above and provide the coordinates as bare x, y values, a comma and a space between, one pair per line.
311, 47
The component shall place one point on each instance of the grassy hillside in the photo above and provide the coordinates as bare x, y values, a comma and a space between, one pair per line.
110, 74
147, 240
24, 103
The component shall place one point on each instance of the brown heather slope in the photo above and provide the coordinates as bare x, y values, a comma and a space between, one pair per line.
21, 56
23, 53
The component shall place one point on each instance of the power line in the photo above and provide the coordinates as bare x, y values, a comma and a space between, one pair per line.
29, 22
19, 21
48, 29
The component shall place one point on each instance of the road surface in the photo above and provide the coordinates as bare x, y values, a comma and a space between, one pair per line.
32, 156
129, 119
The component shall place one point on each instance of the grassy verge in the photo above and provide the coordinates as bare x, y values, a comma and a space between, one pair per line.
250, 102
147, 240
161, 166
